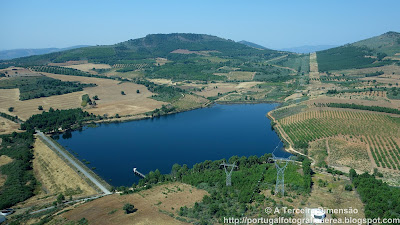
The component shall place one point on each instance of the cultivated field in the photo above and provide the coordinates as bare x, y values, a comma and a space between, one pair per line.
154, 206
110, 102
356, 139
349, 151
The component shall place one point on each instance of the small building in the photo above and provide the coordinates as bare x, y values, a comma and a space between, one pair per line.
315, 216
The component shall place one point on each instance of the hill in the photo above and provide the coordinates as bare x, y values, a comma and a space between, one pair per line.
17, 53
151, 47
253, 45
372, 52
308, 48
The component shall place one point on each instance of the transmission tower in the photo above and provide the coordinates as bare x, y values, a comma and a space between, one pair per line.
228, 172
280, 165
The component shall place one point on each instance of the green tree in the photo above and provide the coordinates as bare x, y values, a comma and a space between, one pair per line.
137, 91
11, 109
129, 208
40, 107
123, 93
60, 198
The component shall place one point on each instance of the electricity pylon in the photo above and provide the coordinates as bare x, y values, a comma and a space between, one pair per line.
228, 172
280, 172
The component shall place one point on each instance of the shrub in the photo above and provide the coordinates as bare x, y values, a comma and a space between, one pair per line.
129, 208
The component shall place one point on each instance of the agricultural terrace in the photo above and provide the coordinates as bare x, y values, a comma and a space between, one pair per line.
379, 131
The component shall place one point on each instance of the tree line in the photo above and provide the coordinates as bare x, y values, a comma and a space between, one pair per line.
381, 200
53, 120
361, 107
20, 183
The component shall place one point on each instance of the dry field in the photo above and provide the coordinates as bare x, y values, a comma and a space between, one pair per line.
294, 96
3, 161
163, 81
161, 61
18, 72
388, 70
69, 63
150, 205
349, 152
337, 198
213, 89
360, 101
87, 67
238, 75
109, 92
55, 175
383, 79
185, 52
8, 126
111, 101
190, 102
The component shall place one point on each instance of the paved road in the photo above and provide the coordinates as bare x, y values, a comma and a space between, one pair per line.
88, 175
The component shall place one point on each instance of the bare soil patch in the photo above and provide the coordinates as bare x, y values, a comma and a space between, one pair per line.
150, 205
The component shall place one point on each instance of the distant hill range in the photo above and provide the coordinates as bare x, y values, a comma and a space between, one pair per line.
151, 47
253, 45
372, 52
308, 48
17, 53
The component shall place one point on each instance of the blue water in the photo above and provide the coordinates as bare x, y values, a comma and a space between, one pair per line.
217, 132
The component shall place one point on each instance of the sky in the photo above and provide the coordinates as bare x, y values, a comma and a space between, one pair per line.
273, 24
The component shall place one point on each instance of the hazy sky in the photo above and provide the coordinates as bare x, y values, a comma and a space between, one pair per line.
274, 24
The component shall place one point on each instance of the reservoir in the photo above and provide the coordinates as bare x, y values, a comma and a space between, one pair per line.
216, 132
